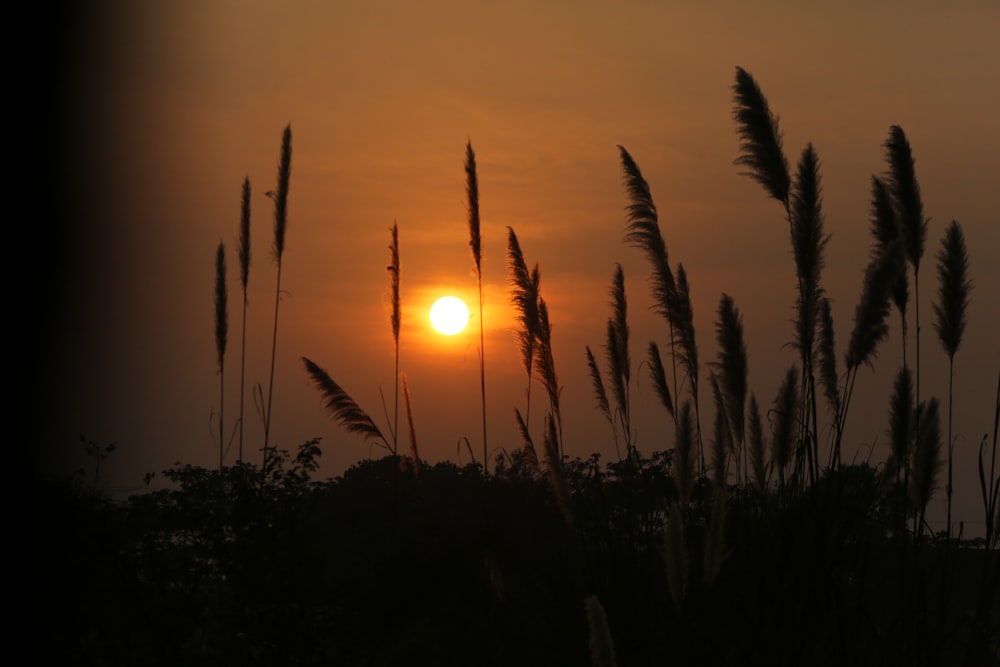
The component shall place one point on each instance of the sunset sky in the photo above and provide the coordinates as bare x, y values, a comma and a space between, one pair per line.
170, 105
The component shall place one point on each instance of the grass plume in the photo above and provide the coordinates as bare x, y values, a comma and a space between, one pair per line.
902, 182
884, 226
280, 197
760, 139
953, 289
524, 286
950, 311
476, 244
601, 395
905, 191
784, 428
926, 459
808, 243
395, 319
658, 375
828, 358
617, 353
732, 367
528, 445
342, 407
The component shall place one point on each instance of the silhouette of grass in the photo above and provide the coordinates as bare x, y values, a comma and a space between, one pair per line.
665, 561
280, 197
221, 336
244, 255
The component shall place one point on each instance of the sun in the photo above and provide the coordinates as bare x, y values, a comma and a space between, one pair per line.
449, 315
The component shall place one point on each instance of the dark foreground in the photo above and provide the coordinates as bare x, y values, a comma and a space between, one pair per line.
383, 567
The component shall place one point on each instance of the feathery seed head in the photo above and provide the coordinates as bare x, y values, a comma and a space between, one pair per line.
281, 194
760, 139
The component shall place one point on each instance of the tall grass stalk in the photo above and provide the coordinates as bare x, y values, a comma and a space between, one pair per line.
244, 253
616, 352
762, 154
476, 244
953, 302
671, 298
280, 197
601, 396
808, 242
905, 191
870, 326
524, 287
221, 334
643, 231
394, 317
885, 230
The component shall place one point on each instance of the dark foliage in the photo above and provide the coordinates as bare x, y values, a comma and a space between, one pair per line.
382, 567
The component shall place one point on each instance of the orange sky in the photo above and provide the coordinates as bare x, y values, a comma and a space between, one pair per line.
174, 103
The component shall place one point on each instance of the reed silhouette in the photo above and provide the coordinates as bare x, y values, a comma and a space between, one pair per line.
476, 244
221, 336
280, 197
244, 255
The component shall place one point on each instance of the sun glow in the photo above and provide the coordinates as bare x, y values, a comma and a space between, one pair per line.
449, 315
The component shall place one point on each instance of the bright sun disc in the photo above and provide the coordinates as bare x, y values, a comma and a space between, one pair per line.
449, 315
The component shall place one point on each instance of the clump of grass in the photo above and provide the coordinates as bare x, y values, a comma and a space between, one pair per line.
901, 181
535, 344
616, 355
762, 153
